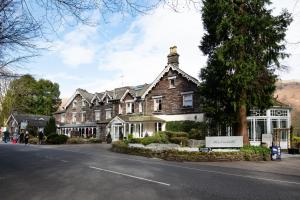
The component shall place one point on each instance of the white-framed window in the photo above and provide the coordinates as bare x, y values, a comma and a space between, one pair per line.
97, 115
83, 116
158, 126
106, 100
140, 107
96, 102
74, 117
83, 103
74, 103
157, 104
172, 82
187, 99
63, 118
120, 109
129, 107
108, 113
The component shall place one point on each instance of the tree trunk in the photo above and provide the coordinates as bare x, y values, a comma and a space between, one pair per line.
243, 124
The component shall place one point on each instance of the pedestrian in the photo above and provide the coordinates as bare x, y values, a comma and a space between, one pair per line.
6, 135
41, 137
21, 138
26, 138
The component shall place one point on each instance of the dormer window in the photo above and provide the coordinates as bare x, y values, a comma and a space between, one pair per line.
172, 82
129, 107
83, 103
96, 102
106, 100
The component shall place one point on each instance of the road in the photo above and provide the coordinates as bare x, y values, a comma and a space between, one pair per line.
88, 172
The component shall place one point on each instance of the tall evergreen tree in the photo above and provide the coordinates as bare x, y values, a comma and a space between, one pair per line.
244, 43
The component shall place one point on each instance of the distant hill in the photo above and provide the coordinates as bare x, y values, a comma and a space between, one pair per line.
288, 92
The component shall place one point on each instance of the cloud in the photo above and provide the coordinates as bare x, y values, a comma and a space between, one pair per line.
140, 53
77, 47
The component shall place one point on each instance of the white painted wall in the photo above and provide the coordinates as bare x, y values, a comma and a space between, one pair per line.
198, 117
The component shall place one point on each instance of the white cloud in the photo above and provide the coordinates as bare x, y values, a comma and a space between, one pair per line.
77, 46
140, 54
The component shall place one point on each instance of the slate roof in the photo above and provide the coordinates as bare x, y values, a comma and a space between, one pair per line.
33, 120
88, 96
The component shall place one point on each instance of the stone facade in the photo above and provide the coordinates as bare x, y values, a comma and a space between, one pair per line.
170, 86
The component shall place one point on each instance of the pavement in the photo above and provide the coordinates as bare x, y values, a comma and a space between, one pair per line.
91, 171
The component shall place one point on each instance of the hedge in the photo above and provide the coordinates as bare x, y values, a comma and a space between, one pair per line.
56, 139
195, 130
174, 155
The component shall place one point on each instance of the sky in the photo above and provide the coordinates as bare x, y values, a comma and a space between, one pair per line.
130, 50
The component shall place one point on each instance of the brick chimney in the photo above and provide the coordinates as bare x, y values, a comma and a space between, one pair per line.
173, 56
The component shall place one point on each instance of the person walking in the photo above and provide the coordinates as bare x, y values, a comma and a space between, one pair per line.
6, 135
21, 138
41, 137
26, 138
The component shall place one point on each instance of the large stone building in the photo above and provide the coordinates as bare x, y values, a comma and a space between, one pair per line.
140, 110
144, 109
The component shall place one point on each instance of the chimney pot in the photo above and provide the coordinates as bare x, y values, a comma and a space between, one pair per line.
173, 56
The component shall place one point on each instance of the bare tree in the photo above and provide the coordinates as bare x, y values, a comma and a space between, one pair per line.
23, 22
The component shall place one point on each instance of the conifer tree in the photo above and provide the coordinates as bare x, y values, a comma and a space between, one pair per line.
244, 43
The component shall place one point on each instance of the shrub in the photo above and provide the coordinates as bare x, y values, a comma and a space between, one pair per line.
108, 138
176, 134
75, 141
174, 155
183, 141
159, 137
33, 140
94, 140
195, 130
130, 136
135, 140
56, 139
119, 144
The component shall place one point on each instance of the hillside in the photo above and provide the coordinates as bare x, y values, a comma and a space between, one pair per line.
289, 92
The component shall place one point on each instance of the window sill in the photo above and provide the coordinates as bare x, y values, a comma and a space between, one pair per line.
187, 107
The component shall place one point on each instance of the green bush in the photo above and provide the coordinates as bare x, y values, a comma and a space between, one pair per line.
159, 137
74, 140
256, 149
183, 141
295, 141
120, 144
195, 130
130, 136
135, 140
33, 140
172, 134
174, 155
56, 139
94, 140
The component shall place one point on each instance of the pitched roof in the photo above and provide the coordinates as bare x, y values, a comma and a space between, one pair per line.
83, 93
167, 69
33, 120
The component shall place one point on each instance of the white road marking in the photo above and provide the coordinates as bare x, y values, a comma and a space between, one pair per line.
65, 161
128, 175
191, 168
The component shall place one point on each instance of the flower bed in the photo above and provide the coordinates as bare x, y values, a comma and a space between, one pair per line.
174, 155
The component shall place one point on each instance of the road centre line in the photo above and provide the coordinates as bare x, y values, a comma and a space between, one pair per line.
128, 175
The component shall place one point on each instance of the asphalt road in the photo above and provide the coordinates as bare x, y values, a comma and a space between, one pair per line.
87, 172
